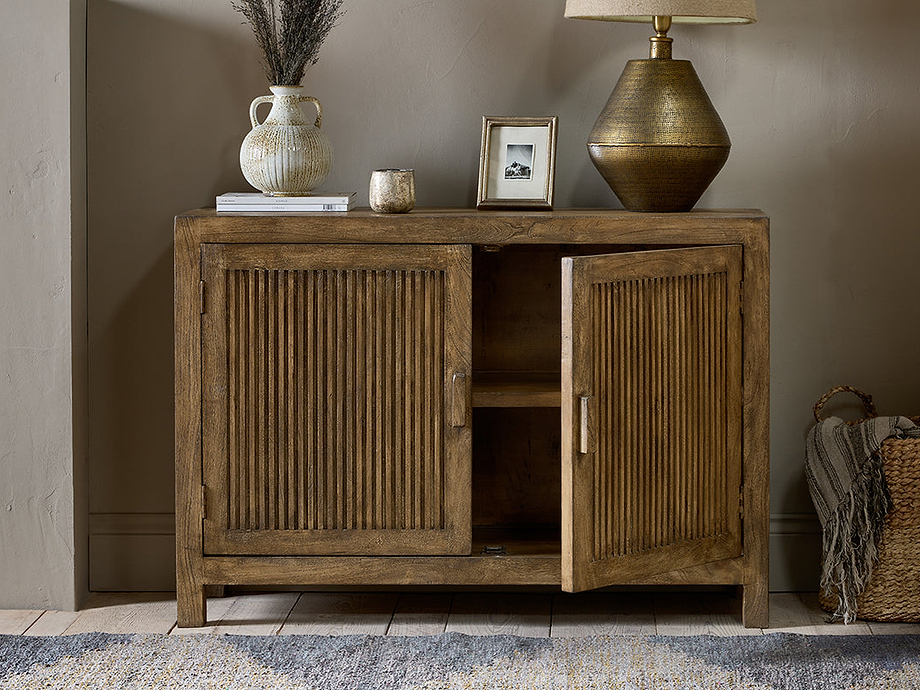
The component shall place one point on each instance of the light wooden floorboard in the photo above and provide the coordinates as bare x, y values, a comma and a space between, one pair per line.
534, 615
894, 628
16, 622
220, 609
581, 615
699, 614
341, 614
420, 614
126, 613
252, 614
52, 623
800, 613
526, 615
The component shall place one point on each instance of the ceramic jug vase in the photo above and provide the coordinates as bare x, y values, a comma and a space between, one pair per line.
285, 155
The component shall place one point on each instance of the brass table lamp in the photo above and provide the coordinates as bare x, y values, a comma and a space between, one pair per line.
659, 142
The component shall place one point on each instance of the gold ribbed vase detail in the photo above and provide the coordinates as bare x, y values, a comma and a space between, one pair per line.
286, 155
659, 141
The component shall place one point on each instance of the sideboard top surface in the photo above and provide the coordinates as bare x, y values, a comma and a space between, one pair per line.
469, 226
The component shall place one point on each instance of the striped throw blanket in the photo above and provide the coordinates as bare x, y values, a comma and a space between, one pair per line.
847, 484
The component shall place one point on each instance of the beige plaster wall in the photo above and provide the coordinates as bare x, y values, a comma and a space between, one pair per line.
820, 98
42, 305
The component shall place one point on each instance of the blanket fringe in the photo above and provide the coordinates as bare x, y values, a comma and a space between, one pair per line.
851, 538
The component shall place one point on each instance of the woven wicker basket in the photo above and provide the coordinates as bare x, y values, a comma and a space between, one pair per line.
893, 592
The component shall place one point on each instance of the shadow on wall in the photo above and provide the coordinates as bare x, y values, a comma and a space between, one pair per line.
845, 238
876, 239
158, 144
133, 468
858, 259
873, 255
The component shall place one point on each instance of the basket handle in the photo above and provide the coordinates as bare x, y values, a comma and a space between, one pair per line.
868, 405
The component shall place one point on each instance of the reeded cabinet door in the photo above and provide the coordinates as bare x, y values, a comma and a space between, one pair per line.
651, 413
335, 417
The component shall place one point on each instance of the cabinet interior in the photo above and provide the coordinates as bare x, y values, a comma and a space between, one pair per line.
517, 324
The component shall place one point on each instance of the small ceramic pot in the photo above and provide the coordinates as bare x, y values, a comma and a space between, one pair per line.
392, 191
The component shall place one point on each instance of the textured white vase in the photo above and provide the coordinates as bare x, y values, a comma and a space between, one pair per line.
285, 155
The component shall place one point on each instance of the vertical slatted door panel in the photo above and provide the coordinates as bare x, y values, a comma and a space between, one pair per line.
327, 371
651, 413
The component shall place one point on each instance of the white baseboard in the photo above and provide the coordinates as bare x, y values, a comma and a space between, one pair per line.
134, 552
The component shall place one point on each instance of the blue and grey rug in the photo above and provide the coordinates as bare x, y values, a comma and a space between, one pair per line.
781, 661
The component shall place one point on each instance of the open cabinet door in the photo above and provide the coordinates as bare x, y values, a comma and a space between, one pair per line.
651, 413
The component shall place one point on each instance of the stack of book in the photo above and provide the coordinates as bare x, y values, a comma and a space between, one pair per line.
249, 202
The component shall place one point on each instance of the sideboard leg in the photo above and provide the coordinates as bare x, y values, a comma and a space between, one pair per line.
191, 605
755, 605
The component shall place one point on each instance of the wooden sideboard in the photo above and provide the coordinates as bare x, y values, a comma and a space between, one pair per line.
575, 398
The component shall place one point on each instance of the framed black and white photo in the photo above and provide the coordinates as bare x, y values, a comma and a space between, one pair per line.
517, 163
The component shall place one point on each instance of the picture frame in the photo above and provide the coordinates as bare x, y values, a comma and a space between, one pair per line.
517, 162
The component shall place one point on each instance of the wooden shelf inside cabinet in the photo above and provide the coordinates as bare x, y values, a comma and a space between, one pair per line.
516, 389
520, 542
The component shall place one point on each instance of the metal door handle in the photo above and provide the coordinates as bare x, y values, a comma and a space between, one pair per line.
587, 436
458, 400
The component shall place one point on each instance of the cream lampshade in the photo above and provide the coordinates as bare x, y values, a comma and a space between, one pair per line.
659, 142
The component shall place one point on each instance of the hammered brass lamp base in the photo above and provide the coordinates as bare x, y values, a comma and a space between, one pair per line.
659, 142
658, 178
